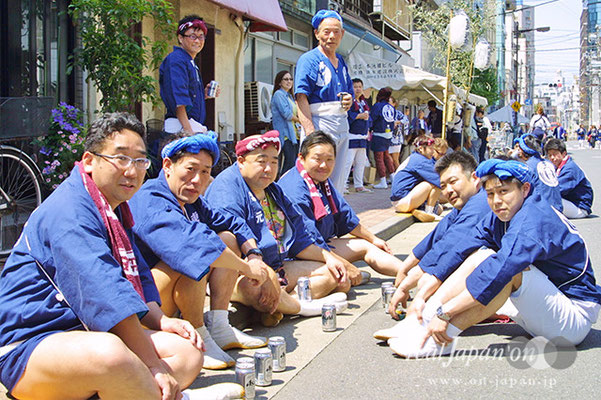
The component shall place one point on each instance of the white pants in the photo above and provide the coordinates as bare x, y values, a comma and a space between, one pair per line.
543, 310
571, 211
172, 125
356, 157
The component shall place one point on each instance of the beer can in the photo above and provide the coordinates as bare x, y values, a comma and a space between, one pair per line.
263, 366
304, 289
277, 345
342, 94
383, 288
212, 92
245, 376
328, 317
388, 293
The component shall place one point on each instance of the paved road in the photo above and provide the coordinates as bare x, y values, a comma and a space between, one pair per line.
354, 366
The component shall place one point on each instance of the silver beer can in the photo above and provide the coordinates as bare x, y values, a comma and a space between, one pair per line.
263, 366
328, 317
303, 286
212, 92
277, 345
342, 94
383, 288
388, 293
245, 376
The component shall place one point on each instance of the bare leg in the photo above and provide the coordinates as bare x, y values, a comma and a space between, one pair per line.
322, 280
222, 280
416, 197
356, 249
178, 292
77, 365
433, 196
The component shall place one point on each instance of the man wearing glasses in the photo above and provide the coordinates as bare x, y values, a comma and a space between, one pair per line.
79, 308
181, 85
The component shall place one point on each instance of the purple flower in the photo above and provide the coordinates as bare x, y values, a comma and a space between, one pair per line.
45, 151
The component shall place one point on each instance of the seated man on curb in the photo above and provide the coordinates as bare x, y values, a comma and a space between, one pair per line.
534, 257
289, 247
309, 187
186, 242
576, 190
415, 183
545, 178
459, 183
75, 292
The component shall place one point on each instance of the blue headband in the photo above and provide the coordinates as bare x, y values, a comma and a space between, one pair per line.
525, 147
323, 14
504, 170
194, 144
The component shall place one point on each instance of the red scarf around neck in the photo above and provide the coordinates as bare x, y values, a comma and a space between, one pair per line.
563, 162
120, 244
319, 210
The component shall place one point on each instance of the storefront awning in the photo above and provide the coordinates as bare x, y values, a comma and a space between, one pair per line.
366, 35
409, 85
265, 15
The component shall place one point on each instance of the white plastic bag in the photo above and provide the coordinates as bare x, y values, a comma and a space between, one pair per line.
459, 30
482, 54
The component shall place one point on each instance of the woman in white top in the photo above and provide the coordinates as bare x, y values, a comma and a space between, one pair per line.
539, 124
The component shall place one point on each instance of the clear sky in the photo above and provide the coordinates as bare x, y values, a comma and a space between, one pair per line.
558, 48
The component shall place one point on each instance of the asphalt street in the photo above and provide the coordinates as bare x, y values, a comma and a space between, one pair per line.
355, 366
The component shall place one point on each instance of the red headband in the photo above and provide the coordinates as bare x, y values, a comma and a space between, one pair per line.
425, 142
196, 24
271, 138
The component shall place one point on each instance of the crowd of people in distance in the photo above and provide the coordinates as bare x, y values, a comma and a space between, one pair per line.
104, 293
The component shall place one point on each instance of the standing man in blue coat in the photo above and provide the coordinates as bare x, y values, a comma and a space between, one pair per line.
309, 187
187, 243
181, 85
576, 190
324, 90
288, 245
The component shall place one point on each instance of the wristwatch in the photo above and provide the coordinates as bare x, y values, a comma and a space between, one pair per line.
442, 315
256, 251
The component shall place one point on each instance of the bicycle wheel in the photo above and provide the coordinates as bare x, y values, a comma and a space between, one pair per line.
20, 180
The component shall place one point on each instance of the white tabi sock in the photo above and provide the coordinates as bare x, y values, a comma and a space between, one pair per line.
453, 331
429, 209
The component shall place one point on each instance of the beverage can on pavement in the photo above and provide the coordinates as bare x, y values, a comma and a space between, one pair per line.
328, 317
388, 293
304, 289
245, 376
277, 345
263, 366
383, 288
212, 92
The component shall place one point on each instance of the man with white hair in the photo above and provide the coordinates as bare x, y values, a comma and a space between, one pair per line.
324, 88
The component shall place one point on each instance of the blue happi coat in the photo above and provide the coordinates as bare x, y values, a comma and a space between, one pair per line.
330, 226
189, 244
574, 186
537, 235
453, 228
416, 169
230, 192
67, 237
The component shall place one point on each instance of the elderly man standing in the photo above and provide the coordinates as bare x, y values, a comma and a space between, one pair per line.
79, 309
288, 245
323, 88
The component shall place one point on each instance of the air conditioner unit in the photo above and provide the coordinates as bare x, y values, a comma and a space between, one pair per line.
257, 101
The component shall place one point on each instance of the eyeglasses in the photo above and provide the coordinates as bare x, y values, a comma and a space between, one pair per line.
287, 79
125, 162
194, 37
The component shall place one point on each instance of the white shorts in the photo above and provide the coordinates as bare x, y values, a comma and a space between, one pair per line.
394, 149
571, 211
172, 125
543, 310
